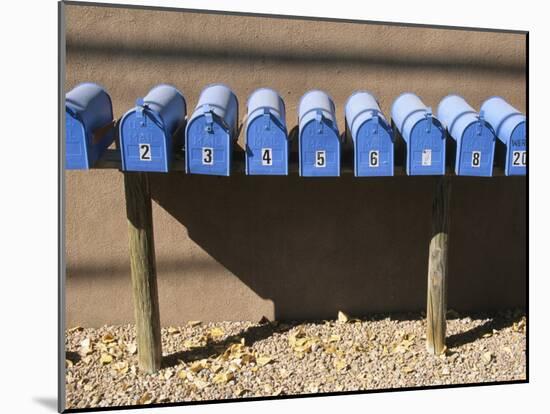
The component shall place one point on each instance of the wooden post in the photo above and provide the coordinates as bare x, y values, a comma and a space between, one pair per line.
144, 273
437, 269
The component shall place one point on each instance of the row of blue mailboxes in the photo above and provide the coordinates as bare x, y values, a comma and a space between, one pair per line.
158, 123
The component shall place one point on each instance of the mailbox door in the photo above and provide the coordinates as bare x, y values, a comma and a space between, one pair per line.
76, 151
266, 148
476, 151
144, 144
516, 157
426, 149
319, 150
373, 150
207, 151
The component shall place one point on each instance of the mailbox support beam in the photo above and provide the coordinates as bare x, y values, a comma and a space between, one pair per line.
438, 269
143, 268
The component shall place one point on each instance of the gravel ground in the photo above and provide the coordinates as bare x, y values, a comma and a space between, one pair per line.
205, 361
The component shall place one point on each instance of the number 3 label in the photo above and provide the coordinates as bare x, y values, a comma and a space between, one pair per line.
145, 152
320, 159
208, 156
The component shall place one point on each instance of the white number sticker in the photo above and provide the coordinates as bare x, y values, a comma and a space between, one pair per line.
519, 158
267, 156
374, 157
208, 156
145, 152
426, 157
320, 159
476, 159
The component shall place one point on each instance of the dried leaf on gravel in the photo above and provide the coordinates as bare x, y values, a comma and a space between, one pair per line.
198, 366
200, 384
340, 364
86, 347
146, 398
487, 357
132, 348
107, 338
216, 332
223, 377
106, 359
193, 323
342, 317
172, 330
264, 360
121, 367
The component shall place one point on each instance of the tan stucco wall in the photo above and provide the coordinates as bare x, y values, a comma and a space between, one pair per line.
243, 247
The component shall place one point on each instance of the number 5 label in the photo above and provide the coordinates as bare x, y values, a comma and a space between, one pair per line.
320, 159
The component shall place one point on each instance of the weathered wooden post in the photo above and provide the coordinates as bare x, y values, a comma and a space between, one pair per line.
438, 269
143, 267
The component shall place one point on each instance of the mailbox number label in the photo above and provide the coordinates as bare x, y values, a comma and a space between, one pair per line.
145, 152
267, 156
426, 157
320, 159
374, 158
208, 156
476, 159
519, 158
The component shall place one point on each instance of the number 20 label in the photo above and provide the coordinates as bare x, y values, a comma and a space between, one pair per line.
519, 158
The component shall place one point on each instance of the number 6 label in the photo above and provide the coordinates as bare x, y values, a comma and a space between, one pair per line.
374, 157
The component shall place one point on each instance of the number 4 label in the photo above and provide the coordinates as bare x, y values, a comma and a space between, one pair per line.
519, 158
267, 156
145, 152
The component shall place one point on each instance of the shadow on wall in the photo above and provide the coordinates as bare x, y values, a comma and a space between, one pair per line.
318, 246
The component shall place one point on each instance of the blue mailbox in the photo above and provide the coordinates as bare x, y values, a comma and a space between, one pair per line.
266, 134
473, 136
319, 140
151, 131
211, 132
422, 133
371, 136
509, 126
89, 125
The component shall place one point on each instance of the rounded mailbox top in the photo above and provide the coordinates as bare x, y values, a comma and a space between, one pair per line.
454, 110
220, 100
315, 99
502, 116
360, 107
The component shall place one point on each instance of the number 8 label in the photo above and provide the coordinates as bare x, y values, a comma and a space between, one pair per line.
476, 159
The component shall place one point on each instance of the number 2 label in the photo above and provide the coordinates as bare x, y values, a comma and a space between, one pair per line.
145, 152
